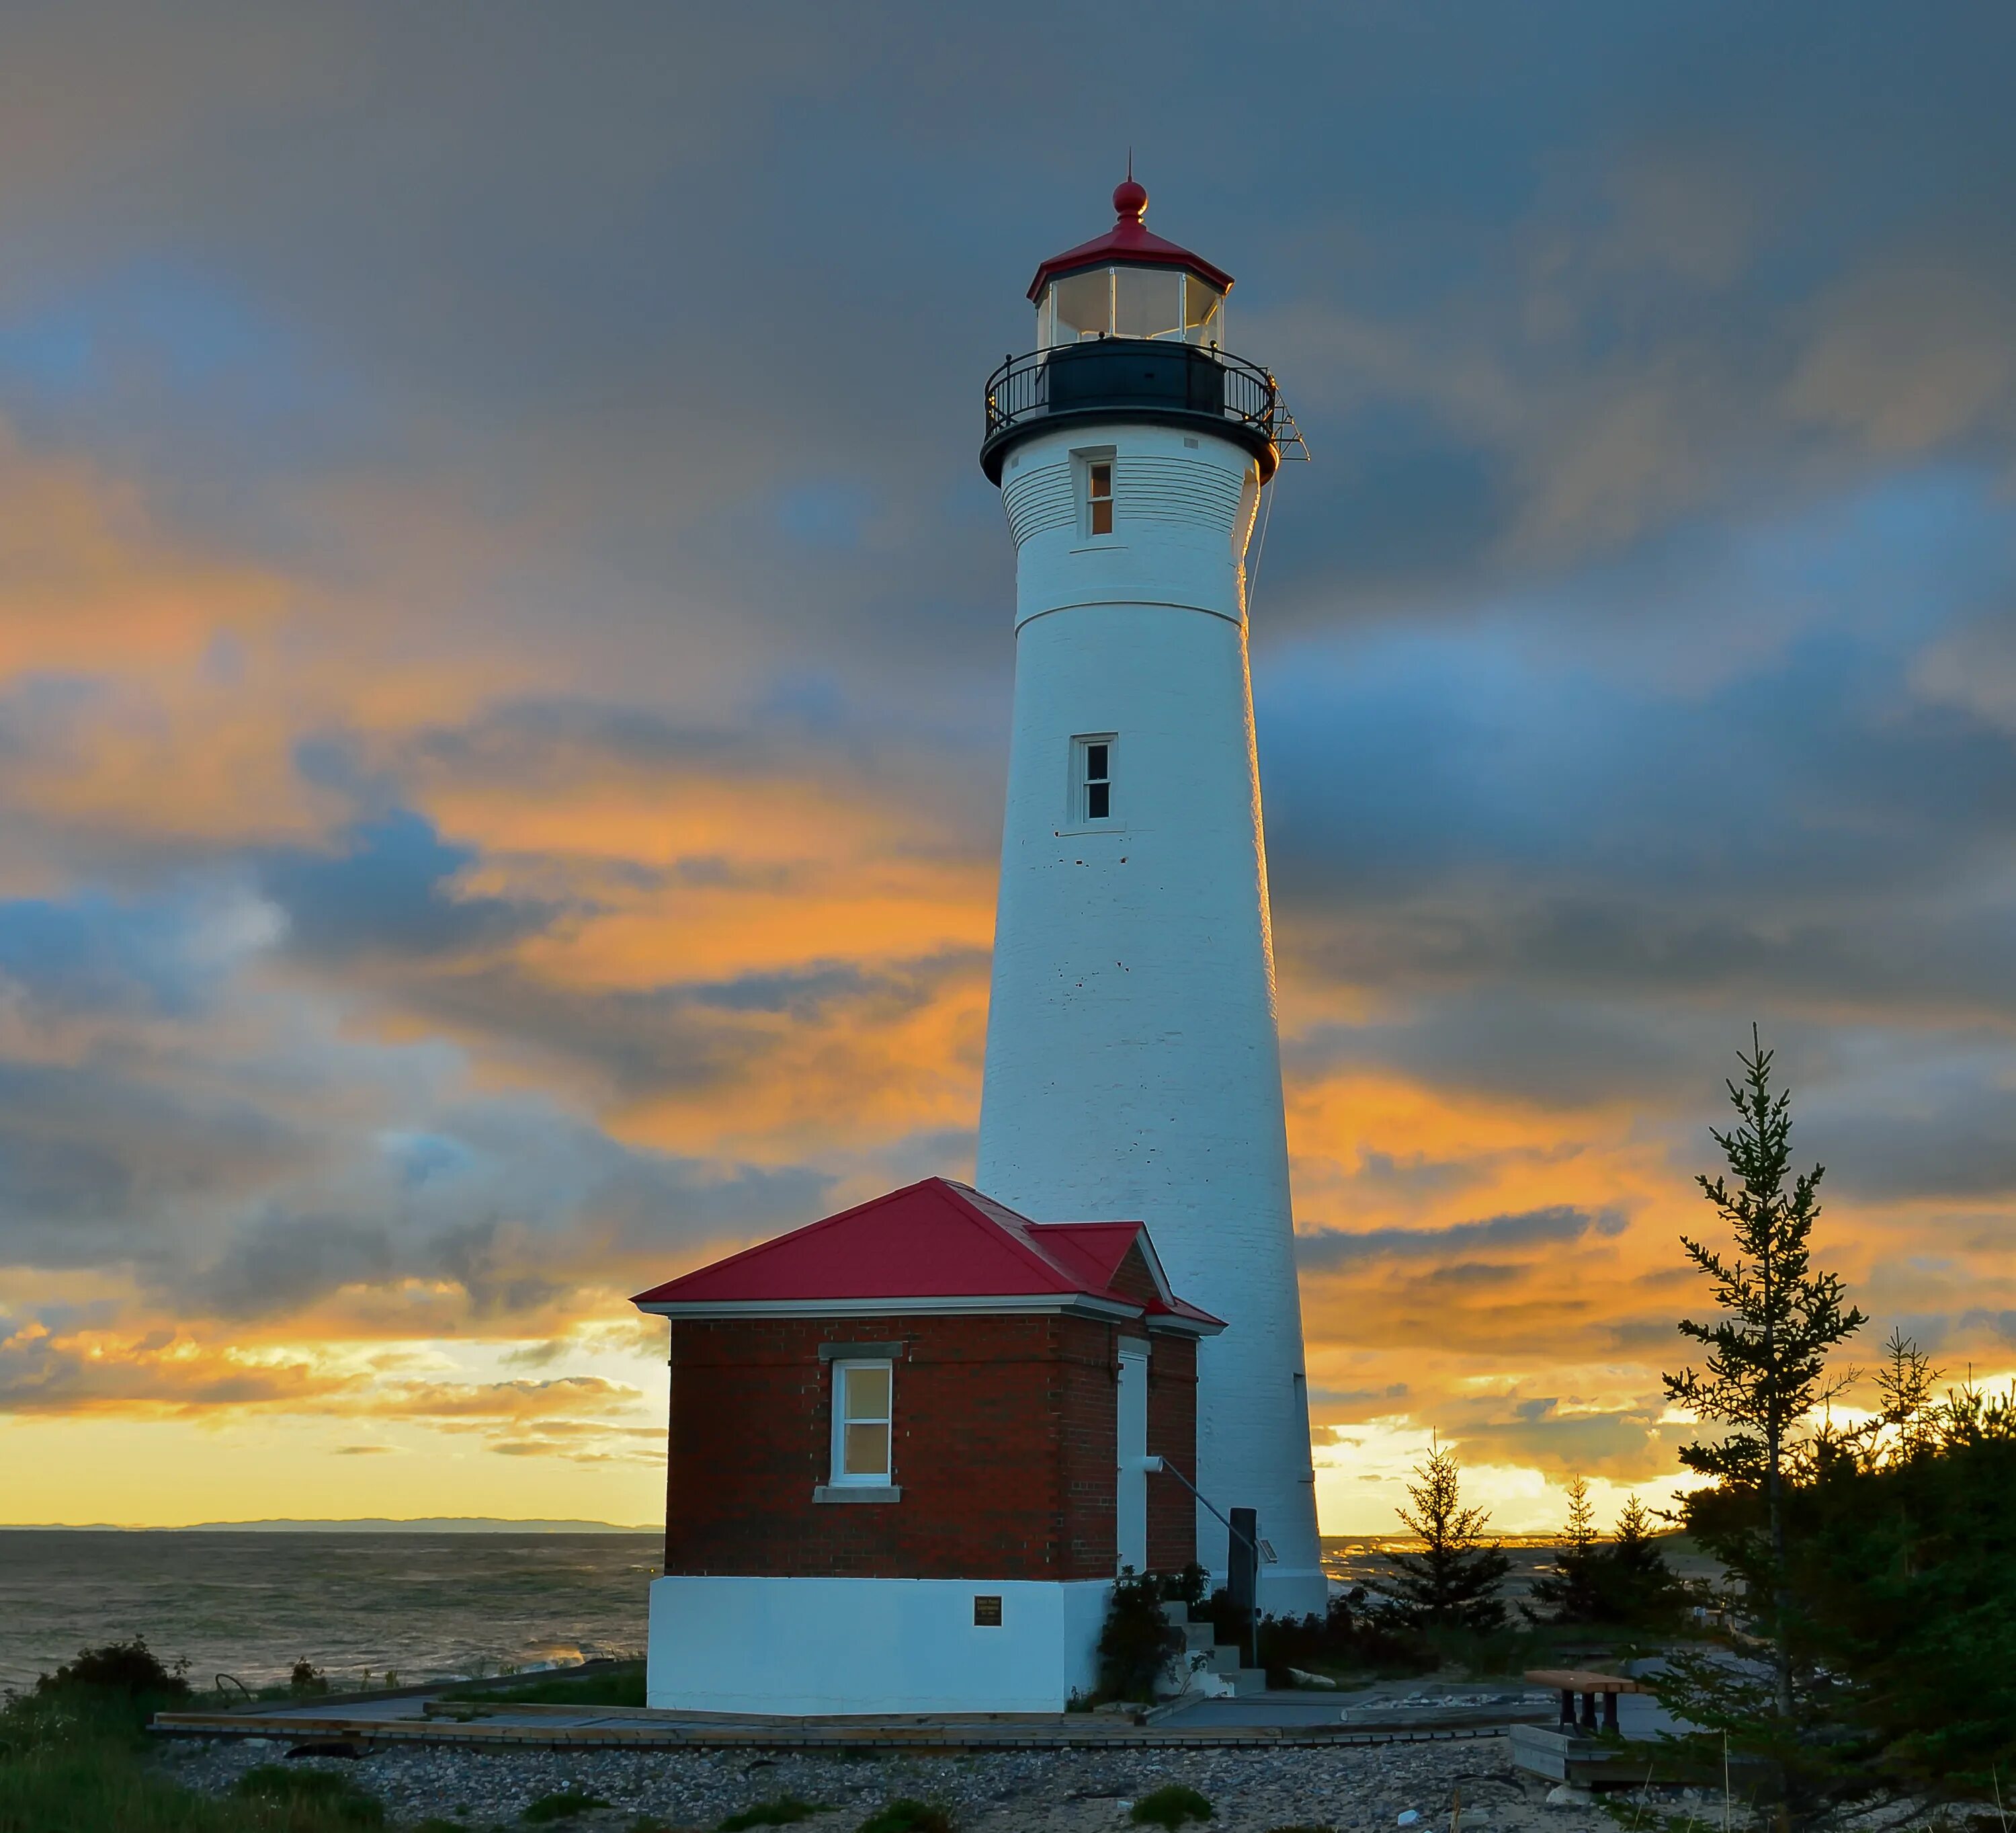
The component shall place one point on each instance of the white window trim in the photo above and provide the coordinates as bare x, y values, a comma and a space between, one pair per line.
837, 1477
1082, 461
1076, 820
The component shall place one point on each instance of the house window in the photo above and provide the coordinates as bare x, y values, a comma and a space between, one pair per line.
1099, 496
1092, 790
862, 1393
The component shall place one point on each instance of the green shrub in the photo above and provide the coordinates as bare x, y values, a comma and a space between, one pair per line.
1171, 1806
108, 1692
563, 1806
1340, 1638
1137, 1640
780, 1812
1191, 1586
289, 1786
128, 1668
906, 1815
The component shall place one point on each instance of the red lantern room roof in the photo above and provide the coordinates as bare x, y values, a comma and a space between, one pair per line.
1127, 244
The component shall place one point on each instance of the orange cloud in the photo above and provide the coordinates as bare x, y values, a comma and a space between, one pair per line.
90, 584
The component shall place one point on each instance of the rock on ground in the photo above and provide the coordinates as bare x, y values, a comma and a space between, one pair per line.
1361, 1789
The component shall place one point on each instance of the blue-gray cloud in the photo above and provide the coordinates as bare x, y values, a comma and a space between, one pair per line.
1322, 1249
390, 891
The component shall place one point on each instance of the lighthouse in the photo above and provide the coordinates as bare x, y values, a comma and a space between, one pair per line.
909, 1445
1133, 1060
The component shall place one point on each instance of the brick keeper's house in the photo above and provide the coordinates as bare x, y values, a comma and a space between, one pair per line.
911, 1445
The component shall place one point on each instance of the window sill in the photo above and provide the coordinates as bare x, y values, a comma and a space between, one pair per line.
857, 1493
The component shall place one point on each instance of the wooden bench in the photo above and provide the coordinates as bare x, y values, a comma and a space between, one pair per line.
1570, 1681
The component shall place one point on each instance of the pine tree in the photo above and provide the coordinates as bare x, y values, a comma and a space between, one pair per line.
1906, 1381
1633, 1583
1767, 1352
1569, 1589
1452, 1582
1765, 1377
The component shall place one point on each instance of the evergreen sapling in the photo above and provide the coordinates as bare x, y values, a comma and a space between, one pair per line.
1764, 1378
1571, 1592
1452, 1582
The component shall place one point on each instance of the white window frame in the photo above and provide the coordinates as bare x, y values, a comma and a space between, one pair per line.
839, 1478
1082, 816
1082, 462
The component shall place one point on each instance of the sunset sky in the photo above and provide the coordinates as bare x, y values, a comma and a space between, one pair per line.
505, 656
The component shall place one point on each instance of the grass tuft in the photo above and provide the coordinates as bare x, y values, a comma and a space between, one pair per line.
906, 1815
94, 1783
335, 1796
77, 1762
563, 1806
784, 1811
1171, 1806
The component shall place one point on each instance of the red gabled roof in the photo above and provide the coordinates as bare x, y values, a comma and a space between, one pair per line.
1129, 244
932, 1240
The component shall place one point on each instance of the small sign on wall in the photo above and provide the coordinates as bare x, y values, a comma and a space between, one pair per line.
987, 1613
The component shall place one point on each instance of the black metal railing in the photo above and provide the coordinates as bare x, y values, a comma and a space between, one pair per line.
1115, 374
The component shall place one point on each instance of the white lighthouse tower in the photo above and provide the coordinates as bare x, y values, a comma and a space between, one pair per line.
1133, 1062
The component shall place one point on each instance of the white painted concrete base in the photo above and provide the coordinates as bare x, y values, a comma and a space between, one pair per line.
797, 1645
1293, 1591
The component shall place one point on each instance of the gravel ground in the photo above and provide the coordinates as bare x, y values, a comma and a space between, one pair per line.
1362, 1790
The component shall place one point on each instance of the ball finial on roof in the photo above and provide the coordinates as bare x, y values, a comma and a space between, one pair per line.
1130, 198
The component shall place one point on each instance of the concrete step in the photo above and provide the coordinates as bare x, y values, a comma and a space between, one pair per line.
1198, 1638
1226, 1657
1178, 1613
1246, 1682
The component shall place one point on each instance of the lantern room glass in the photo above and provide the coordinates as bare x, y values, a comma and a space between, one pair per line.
1154, 302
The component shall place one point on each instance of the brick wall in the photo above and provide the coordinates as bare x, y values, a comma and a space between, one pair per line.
1132, 1278
1004, 1450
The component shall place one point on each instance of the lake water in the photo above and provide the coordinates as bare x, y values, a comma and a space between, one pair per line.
252, 1604
423, 1605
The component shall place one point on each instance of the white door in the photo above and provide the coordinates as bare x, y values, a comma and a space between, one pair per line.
1131, 1509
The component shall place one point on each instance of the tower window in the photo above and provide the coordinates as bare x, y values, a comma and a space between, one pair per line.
1099, 495
1094, 787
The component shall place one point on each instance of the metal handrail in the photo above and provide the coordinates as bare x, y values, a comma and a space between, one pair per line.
1252, 1545
1019, 389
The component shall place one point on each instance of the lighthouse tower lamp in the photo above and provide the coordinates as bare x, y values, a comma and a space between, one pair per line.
1133, 1064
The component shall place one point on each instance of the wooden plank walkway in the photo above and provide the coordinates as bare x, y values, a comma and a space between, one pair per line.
468, 1725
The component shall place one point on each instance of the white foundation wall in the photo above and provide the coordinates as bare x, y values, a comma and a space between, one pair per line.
792, 1647
1133, 1062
